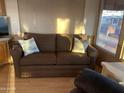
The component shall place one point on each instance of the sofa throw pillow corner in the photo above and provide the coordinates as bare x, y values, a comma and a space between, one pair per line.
79, 46
29, 46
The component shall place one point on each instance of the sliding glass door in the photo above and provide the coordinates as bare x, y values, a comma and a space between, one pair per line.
109, 30
110, 34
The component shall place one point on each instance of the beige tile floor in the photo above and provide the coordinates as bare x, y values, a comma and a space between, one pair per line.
10, 84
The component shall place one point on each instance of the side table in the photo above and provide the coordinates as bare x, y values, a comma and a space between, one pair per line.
4, 51
114, 70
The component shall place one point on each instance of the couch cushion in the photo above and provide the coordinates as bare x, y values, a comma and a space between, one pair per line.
64, 42
39, 59
45, 42
69, 58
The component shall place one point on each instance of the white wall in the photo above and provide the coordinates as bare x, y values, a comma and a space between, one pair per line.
12, 13
51, 16
90, 15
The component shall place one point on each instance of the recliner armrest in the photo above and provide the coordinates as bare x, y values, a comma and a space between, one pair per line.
92, 53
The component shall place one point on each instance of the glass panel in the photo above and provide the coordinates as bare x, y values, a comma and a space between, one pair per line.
109, 30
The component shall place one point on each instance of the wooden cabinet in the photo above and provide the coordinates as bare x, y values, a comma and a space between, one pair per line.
2, 8
4, 52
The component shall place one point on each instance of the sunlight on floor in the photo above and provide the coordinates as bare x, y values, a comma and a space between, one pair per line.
11, 80
10, 84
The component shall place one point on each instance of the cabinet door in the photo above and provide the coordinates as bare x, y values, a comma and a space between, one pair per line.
2, 8
3, 52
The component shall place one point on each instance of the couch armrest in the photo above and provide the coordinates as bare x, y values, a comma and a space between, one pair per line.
17, 54
92, 53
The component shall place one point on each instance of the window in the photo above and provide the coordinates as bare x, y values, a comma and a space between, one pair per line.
109, 30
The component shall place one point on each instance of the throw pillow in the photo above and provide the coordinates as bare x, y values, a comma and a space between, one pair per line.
85, 44
79, 46
29, 46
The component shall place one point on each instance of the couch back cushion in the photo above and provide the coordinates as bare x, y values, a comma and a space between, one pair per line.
64, 42
45, 42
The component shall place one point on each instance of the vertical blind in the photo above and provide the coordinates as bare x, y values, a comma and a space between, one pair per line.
113, 4
122, 52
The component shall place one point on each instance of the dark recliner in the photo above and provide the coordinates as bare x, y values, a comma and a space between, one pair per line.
90, 81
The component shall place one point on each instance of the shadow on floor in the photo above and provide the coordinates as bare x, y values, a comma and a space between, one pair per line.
10, 84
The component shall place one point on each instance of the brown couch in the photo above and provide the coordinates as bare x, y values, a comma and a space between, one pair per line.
54, 59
